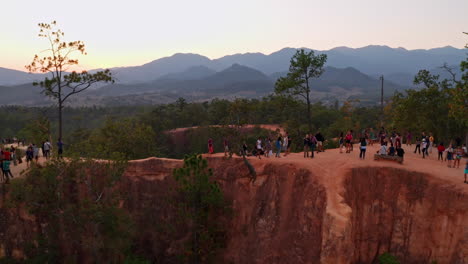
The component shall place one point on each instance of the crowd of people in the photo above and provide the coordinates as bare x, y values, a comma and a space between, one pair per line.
390, 145
13, 156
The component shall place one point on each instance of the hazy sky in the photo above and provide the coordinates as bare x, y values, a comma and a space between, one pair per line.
122, 33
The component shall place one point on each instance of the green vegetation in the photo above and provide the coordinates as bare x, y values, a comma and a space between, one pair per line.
304, 67
202, 204
76, 213
387, 258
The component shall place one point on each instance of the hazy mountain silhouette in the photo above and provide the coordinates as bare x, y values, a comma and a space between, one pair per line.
371, 60
14, 77
192, 73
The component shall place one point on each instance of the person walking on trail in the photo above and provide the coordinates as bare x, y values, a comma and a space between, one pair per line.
6, 170
278, 147
285, 144
306, 145
362, 148
431, 143
210, 146
59, 148
418, 146
348, 140
13, 155
36, 153
29, 155
341, 142
46, 148
441, 150
259, 148
424, 147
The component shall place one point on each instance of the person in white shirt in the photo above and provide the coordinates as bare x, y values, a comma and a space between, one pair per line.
383, 149
259, 148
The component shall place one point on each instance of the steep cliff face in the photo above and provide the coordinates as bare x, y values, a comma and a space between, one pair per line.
410, 214
294, 213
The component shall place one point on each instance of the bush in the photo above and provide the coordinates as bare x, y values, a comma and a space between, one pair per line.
387, 258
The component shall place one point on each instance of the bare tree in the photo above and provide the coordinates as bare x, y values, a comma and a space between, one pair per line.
60, 84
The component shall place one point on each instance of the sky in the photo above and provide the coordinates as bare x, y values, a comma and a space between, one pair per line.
128, 33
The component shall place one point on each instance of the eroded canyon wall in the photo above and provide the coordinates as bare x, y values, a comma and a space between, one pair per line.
283, 216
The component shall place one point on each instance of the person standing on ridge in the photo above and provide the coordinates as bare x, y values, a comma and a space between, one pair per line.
320, 141
59, 148
306, 145
418, 146
259, 148
440, 150
312, 144
409, 137
210, 146
341, 142
424, 147
362, 148
226, 148
278, 147
431, 143
285, 144
46, 148
348, 139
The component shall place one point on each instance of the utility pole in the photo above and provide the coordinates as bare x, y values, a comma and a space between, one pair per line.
381, 92
381, 99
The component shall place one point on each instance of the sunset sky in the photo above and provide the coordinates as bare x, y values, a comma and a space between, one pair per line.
125, 33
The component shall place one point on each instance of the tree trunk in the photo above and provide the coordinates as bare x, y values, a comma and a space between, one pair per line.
309, 119
60, 119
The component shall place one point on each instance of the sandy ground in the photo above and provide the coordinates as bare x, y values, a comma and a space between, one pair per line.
331, 161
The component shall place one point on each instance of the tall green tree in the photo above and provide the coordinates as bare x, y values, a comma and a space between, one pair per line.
202, 204
304, 66
60, 84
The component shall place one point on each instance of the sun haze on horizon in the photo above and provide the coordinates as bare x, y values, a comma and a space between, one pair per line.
128, 33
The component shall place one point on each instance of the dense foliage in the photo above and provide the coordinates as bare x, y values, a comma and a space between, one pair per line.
202, 204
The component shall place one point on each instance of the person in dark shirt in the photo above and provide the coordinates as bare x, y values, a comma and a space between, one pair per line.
400, 152
320, 141
391, 150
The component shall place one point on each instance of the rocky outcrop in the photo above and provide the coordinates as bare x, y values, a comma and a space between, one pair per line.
290, 214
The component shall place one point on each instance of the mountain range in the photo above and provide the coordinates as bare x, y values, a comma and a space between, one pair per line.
350, 73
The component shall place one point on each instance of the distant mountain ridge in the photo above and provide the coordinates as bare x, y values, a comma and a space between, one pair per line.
371, 60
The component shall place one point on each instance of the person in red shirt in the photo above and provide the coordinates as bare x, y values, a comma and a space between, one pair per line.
210, 146
441, 150
348, 140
